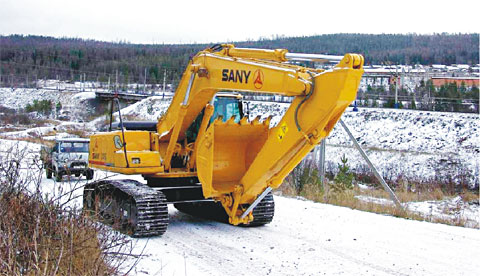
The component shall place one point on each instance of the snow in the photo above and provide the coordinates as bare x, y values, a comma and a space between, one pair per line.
451, 209
415, 144
307, 238
20, 97
375, 200
454, 209
84, 96
42, 132
150, 108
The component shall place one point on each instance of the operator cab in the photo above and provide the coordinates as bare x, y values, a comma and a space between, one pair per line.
227, 105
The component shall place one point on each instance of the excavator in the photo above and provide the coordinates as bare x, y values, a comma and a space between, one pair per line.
204, 155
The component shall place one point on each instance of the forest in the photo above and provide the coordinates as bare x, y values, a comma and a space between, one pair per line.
30, 58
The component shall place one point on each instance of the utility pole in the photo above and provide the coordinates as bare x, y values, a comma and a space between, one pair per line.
321, 169
116, 81
396, 86
164, 79
144, 80
0, 66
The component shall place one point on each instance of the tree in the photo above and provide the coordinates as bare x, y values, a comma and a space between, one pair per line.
344, 179
43, 107
413, 105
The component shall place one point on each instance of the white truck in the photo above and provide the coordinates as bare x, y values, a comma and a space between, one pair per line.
69, 156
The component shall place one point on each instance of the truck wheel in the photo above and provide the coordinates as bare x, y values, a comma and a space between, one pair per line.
48, 172
89, 174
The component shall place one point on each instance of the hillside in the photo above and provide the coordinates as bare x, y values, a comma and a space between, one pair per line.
27, 58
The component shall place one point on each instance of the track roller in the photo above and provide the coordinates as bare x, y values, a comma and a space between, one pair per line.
127, 205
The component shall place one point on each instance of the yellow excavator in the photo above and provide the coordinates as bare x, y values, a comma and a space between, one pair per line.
204, 155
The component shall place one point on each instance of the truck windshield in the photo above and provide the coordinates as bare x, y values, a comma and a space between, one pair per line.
74, 147
226, 107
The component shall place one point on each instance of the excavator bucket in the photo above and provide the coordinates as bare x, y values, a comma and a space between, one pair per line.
226, 151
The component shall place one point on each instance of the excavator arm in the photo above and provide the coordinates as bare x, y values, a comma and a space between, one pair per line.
237, 161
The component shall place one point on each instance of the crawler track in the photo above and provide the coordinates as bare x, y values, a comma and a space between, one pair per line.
262, 214
128, 206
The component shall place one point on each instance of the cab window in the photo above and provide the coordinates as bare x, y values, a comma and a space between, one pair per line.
226, 107
74, 147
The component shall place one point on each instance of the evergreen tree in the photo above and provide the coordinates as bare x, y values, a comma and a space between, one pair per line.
344, 179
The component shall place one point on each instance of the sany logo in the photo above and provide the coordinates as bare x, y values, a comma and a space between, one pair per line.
258, 78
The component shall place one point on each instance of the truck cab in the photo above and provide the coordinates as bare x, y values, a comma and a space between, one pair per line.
69, 156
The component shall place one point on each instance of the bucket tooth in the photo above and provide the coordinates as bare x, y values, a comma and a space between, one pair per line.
231, 121
267, 121
244, 121
218, 121
256, 122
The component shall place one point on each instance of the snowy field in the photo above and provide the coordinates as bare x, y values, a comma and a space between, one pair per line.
401, 143
305, 238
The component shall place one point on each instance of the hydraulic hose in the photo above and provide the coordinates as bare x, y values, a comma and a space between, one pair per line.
312, 88
216, 47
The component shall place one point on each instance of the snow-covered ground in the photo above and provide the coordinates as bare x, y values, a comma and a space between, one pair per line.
43, 132
20, 97
305, 238
452, 209
74, 104
411, 144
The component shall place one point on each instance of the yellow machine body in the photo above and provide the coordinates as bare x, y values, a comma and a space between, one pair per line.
235, 159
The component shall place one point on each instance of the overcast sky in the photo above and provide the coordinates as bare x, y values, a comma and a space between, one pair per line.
188, 21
